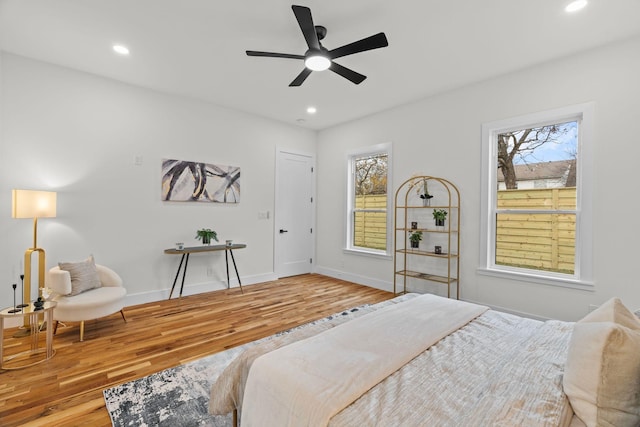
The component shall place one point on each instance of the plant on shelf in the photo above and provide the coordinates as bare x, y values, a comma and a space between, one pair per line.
206, 234
424, 193
414, 238
439, 215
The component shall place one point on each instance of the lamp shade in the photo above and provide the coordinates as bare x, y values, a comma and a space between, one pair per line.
33, 204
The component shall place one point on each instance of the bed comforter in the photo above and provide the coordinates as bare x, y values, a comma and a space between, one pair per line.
499, 370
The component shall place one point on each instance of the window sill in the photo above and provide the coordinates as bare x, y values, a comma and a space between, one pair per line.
372, 254
543, 280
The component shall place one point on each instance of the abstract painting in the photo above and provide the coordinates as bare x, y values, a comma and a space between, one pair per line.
184, 181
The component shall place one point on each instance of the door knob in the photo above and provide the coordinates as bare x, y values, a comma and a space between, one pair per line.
283, 231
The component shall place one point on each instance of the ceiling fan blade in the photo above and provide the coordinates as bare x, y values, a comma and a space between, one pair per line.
373, 42
303, 15
301, 78
345, 72
274, 55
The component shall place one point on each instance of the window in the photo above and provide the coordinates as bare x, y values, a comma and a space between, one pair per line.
368, 221
536, 216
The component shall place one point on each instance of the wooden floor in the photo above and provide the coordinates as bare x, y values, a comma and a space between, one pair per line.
67, 389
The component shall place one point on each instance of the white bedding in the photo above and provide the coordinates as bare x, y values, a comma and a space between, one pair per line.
309, 381
498, 370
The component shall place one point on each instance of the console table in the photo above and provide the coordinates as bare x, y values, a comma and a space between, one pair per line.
32, 314
228, 250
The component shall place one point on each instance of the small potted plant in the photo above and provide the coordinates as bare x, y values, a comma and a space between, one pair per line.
439, 215
414, 238
424, 193
206, 234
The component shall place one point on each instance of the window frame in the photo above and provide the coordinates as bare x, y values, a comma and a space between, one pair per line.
378, 149
583, 271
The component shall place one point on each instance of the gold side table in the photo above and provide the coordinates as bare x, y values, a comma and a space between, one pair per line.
32, 314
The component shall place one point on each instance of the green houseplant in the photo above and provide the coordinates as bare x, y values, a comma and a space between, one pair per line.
206, 234
414, 238
439, 215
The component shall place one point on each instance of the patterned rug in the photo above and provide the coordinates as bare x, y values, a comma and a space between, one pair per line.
179, 397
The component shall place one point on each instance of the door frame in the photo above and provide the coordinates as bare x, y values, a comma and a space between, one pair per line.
277, 191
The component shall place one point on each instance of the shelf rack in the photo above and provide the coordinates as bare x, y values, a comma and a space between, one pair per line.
419, 263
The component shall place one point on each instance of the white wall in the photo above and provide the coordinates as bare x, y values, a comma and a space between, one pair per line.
441, 136
79, 135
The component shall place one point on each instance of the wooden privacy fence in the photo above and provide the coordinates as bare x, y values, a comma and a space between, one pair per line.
543, 241
370, 228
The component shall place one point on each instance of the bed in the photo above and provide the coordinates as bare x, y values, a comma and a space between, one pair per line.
492, 369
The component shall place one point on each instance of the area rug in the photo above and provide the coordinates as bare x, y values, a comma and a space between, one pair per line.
179, 397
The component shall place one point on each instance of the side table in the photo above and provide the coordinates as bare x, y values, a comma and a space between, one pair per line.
32, 314
206, 248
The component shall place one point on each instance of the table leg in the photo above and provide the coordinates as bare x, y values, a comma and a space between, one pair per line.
1, 340
236, 268
177, 274
48, 317
226, 261
184, 273
35, 330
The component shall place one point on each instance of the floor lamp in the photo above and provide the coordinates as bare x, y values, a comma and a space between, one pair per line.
33, 204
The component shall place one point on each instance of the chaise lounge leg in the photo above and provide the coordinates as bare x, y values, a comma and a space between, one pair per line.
55, 327
235, 418
123, 318
82, 330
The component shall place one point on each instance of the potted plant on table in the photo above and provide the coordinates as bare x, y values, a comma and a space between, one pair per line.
414, 238
206, 234
439, 215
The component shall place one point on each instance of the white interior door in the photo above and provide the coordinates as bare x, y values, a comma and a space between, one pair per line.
294, 216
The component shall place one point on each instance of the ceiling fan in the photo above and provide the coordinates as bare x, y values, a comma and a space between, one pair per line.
318, 58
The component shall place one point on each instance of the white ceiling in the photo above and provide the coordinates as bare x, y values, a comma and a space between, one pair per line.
197, 47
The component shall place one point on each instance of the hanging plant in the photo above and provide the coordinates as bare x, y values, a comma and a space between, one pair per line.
424, 191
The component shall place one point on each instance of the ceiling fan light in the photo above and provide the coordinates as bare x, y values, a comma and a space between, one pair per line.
317, 62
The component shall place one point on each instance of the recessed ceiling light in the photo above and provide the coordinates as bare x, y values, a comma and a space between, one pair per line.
311, 110
576, 5
122, 50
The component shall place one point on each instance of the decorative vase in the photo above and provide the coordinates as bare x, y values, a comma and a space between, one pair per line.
439, 222
415, 245
426, 202
206, 240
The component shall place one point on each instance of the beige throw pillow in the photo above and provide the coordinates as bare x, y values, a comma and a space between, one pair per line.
602, 372
84, 275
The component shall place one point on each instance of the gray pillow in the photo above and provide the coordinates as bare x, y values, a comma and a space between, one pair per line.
84, 275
